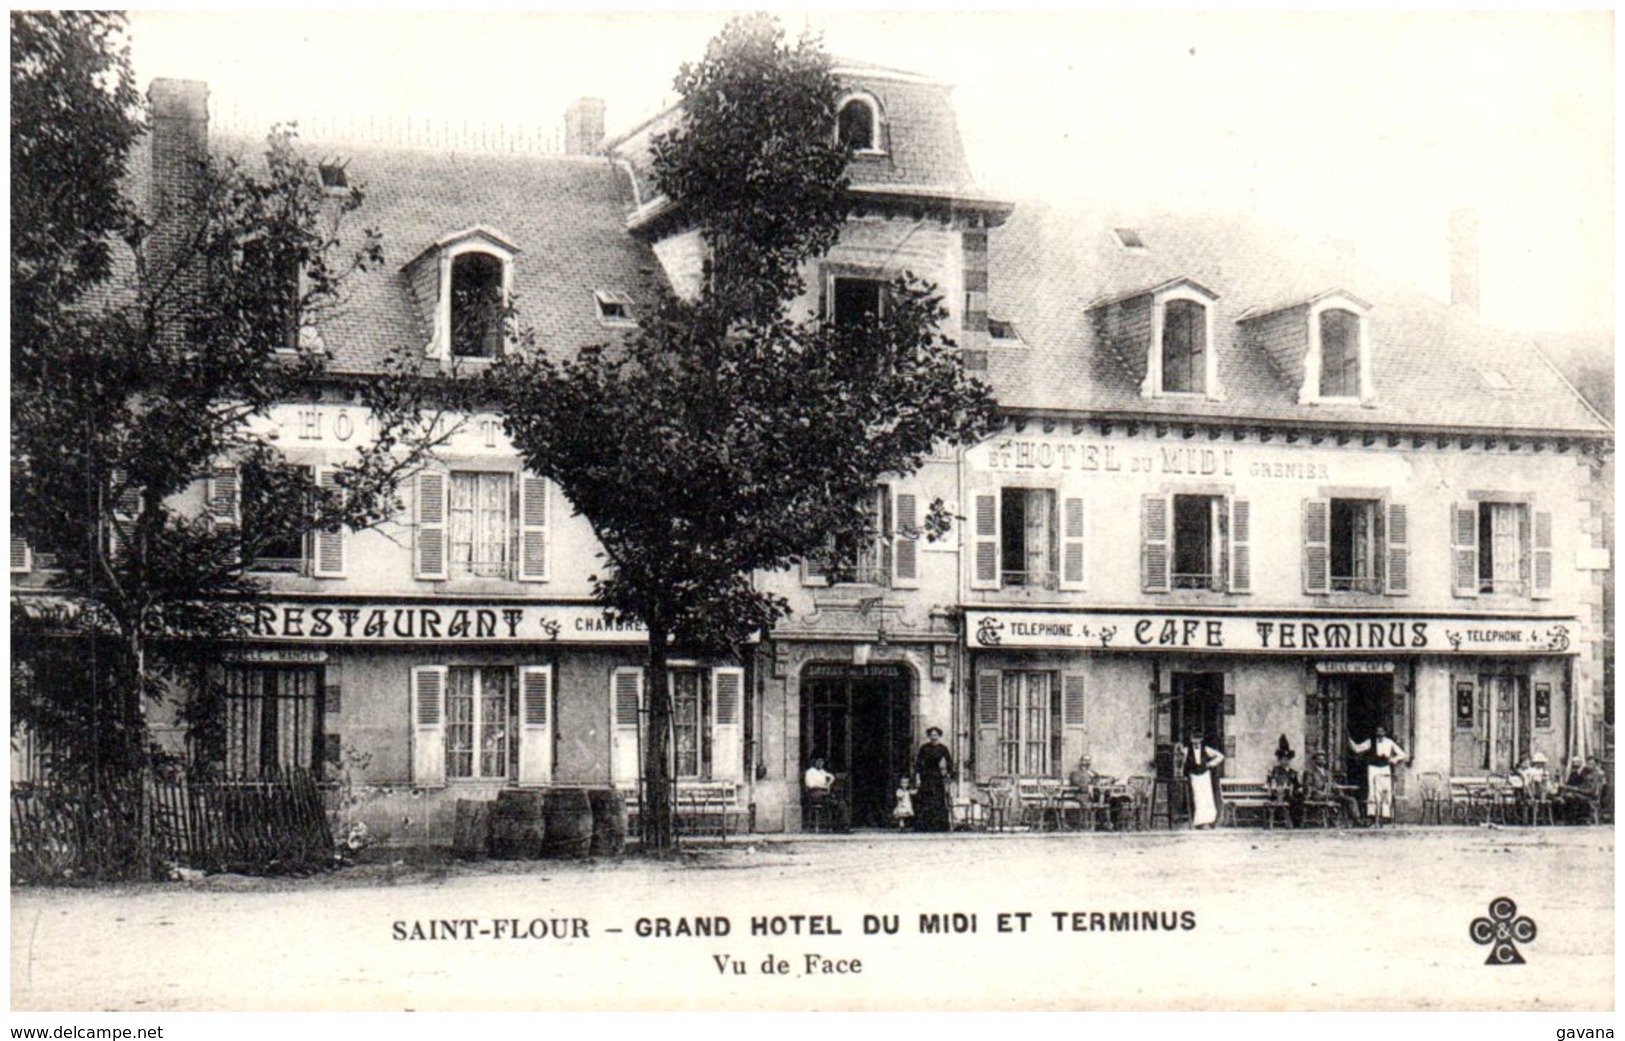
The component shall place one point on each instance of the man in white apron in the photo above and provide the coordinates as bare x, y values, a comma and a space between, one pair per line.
1381, 753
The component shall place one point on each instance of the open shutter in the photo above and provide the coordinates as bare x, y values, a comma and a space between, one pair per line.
533, 529
1154, 543
1464, 548
328, 544
535, 724
728, 705
22, 557
1317, 546
431, 524
1241, 546
1073, 737
987, 723
1397, 582
1072, 573
1542, 588
906, 542
429, 726
985, 542
225, 500
626, 688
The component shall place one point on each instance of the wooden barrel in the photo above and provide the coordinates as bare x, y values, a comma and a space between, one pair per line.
472, 830
569, 823
518, 825
608, 822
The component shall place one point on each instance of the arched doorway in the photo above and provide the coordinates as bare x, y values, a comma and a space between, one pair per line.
857, 718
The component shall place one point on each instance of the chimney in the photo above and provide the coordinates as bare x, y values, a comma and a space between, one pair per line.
179, 116
1464, 259
584, 127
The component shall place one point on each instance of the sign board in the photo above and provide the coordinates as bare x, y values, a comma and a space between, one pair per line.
325, 622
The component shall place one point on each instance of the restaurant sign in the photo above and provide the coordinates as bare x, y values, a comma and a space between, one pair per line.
1268, 634
438, 623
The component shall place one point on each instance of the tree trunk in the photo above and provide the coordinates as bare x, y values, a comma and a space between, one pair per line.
659, 832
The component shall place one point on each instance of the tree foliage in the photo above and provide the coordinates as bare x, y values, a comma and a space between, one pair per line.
155, 355
726, 437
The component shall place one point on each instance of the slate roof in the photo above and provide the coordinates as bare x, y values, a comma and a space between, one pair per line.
1049, 264
566, 215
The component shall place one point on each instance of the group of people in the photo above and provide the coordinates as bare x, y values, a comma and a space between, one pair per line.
920, 801
1317, 786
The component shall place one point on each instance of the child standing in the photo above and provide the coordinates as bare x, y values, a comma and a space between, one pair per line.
903, 812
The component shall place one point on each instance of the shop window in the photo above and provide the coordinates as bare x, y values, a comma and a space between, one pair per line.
490, 723
1355, 545
1184, 347
479, 707
858, 127
1029, 718
477, 319
1196, 542
482, 524
1501, 548
270, 721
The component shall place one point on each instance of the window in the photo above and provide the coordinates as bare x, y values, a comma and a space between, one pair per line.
691, 725
477, 319
1501, 547
613, 308
1196, 542
856, 302
272, 278
1337, 360
1339, 354
707, 707
1029, 724
1129, 238
479, 706
1028, 538
271, 720
999, 329
1184, 347
274, 546
858, 124
888, 554
1355, 545
252, 501
482, 524
335, 177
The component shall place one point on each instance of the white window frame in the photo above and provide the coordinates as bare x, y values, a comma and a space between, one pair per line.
1230, 556
1151, 386
1309, 393
529, 520
475, 240
479, 723
877, 123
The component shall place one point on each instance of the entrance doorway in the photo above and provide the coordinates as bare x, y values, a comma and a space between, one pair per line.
1195, 701
1348, 707
1494, 721
857, 719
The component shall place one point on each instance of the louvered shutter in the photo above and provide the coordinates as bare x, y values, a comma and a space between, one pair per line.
535, 724
1072, 543
1073, 737
126, 497
906, 542
1542, 588
1398, 551
813, 572
22, 557
1317, 539
225, 500
626, 695
431, 524
328, 544
987, 722
1154, 543
429, 726
1464, 548
727, 729
1241, 546
985, 542
533, 528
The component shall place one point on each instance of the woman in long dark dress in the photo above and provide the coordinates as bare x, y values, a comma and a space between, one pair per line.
932, 766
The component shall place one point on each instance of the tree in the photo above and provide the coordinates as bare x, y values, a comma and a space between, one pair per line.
725, 437
153, 354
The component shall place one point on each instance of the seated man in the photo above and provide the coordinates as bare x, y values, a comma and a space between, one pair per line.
1086, 781
1578, 796
1320, 788
822, 797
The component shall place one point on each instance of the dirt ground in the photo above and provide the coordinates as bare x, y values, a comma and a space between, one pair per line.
1226, 919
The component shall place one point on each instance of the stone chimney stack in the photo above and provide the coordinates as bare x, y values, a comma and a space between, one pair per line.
1464, 264
584, 127
178, 111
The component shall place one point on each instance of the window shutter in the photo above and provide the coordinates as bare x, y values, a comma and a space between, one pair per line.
985, 542
626, 687
813, 572
1464, 548
429, 726
1317, 537
431, 524
329, 543
1241, 546
535, 724
1398, 551
533, 530
727, 746
1072, 699
225, 506
906, 543
1154, 543
1542, 588
22, 557
1072, 527
126, 497
987, 722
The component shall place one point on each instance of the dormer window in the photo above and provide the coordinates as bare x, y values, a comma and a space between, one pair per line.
1337, 365
334, 177
462, 285
614, 308
857, 124
1179, 357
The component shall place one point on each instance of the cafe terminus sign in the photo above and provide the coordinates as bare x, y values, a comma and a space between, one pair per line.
1267, 634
